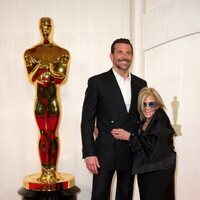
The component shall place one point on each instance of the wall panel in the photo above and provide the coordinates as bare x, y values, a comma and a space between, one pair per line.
171, 48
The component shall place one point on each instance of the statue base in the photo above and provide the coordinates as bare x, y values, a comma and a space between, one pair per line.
67, 194
177, 128
62, 189
65, 181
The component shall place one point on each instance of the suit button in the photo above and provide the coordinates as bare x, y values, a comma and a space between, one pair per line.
112, 121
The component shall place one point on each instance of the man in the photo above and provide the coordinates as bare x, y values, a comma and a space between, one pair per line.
111, 102
47, 66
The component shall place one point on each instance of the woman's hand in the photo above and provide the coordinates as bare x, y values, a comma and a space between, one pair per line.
120, 134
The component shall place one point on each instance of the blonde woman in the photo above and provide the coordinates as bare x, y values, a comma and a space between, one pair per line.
152, 147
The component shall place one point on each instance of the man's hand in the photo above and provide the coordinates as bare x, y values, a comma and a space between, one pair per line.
92, 164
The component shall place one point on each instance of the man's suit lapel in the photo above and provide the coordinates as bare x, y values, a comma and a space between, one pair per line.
133, 108
133, 95
116, 95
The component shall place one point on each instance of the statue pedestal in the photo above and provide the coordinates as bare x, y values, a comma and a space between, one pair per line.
62, 189
64, 181
65, 194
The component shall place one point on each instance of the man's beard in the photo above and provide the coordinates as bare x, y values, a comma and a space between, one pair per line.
122, 67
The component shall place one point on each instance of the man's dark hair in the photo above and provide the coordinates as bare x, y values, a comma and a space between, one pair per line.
121, 40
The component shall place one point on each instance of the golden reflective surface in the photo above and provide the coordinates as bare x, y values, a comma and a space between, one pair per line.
65, 181
47, 66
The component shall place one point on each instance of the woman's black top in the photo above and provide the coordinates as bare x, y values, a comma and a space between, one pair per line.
153, 148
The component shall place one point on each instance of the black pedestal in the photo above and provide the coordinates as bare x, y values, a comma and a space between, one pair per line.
68, 194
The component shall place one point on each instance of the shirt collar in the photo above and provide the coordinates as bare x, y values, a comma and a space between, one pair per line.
120, 78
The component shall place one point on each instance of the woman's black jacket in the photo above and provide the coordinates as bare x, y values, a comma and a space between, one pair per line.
153, 149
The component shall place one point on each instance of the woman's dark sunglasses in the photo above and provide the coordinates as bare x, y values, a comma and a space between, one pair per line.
151, 104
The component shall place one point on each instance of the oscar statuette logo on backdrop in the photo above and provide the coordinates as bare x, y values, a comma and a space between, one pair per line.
47, 67
175, 106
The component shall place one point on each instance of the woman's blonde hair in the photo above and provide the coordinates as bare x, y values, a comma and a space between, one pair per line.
143, 94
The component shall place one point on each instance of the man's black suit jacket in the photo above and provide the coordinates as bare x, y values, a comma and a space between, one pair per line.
104, 106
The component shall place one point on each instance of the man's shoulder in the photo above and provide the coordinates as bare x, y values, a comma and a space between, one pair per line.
101, 76
137, 78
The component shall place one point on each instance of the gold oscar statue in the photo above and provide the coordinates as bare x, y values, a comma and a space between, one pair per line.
47, 66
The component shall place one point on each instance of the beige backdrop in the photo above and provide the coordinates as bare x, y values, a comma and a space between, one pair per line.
171, 54
166, 39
